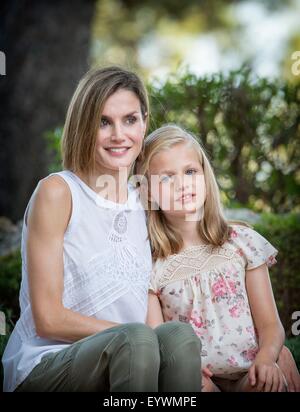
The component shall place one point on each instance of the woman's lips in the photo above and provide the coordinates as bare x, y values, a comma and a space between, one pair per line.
117, 152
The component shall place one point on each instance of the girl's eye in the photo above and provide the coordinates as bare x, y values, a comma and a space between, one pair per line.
104, 122
191, 171
131, 120
164, 178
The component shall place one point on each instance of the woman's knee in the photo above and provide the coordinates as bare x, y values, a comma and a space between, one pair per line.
139, 334
143, 344
173, 335
176, 329
126, 347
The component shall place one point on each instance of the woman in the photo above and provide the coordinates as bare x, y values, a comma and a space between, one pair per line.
86, 262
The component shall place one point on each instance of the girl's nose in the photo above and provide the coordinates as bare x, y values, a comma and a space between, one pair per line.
181, 183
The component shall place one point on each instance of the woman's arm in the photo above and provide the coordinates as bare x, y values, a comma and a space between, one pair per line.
48, 217
154, 314
288, 366
264, 371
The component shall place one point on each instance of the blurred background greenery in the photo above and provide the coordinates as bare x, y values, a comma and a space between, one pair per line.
221, 68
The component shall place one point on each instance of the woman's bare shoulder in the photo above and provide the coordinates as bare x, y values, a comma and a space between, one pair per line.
52, 200
53, 187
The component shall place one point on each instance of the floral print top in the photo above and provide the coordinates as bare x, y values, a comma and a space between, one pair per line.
205, 286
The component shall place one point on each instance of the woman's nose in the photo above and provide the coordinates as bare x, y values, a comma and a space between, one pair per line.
117, 133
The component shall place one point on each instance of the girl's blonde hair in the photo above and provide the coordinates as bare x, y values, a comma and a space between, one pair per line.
85, 109
213, 228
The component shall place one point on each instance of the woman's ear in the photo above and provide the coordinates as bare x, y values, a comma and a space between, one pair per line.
145, 123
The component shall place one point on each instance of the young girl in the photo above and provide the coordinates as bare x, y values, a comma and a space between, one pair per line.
207, 272
86, 262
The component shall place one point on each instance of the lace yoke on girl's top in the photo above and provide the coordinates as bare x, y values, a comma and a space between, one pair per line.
107, 266
205, 286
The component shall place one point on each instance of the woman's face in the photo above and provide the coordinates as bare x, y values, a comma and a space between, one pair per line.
121, 132
177, 181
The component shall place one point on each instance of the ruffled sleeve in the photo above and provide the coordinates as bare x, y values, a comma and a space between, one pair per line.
254, 247
155, 276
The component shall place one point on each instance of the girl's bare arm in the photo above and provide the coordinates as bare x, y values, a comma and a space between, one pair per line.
270, 330
154, 314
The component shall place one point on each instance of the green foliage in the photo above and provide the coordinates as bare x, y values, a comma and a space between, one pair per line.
53, 139
294, 346
10, 277
249, 127
283, 231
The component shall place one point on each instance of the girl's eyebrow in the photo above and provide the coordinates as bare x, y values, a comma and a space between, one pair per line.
125, 115
185, 167
166, 172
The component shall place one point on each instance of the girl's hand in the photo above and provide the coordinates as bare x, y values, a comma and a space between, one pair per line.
207, 383
207, 373
266, 376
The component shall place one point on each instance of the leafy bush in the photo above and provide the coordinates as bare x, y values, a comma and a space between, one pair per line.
283, 231
250, 128
10, 277
294, 346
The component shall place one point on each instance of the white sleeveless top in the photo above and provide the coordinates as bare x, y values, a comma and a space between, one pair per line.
107, 266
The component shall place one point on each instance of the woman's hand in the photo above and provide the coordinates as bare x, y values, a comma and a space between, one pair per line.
266, 376
289, 368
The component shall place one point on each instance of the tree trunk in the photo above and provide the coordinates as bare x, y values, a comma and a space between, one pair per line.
46, 45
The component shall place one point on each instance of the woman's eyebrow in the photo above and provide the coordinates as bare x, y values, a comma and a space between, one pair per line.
125, 115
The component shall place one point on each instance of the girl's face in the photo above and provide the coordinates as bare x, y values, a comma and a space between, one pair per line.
121, 132
177, 181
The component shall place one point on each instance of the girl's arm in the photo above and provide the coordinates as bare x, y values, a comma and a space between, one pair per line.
264, 372
48, 218
155, 318
154, 313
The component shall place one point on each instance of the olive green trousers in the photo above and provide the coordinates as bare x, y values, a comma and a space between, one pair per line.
126, 358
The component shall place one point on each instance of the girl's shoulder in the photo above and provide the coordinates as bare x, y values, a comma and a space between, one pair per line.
251, 245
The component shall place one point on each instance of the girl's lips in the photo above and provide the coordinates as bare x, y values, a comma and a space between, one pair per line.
187, 198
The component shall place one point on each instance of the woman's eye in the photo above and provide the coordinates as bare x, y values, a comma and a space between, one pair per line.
104, 122
191, 171
131, 120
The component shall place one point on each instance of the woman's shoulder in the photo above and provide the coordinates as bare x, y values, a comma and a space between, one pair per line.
52, 188
52, 197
